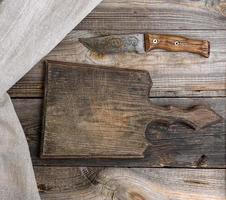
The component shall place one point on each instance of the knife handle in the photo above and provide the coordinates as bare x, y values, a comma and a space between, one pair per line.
176, 44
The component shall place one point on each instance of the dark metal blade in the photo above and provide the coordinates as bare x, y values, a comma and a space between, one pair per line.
115, 43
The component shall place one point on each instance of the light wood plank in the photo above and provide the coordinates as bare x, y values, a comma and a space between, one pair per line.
178, 146
173, 74
156, 14
130, 184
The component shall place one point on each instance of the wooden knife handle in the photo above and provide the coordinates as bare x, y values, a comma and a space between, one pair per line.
176, 44
196, 117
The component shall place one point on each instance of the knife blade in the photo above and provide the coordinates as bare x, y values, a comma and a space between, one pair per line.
141, 43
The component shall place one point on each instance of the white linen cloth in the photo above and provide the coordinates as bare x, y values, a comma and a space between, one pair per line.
29, 29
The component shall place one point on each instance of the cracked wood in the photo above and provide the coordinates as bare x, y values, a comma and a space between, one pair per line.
130, 184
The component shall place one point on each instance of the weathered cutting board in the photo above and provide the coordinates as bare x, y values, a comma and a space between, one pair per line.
103, 112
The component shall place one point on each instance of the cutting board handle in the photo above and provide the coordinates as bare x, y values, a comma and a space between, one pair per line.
196, 117
176, 44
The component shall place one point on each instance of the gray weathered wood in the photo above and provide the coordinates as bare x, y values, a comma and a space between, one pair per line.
173, 74
130, 184
181, 148
156, 14
192, 77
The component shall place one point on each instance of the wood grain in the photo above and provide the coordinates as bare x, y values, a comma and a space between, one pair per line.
91, 112
156, 14
177, 146
173, 74
176, 43
31, 85
142, 43
102, 112
130, 184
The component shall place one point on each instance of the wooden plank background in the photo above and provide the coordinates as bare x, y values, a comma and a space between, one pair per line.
180, 79
130, 184
173, 74
179, 146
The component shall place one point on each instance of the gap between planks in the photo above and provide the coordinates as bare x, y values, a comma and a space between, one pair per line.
173, 74
209, 142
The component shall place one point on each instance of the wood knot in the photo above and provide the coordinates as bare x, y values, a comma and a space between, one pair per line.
91, 175
216, 5
135, 196
202, 161
198, 182
43, 188
97, 56
223, 10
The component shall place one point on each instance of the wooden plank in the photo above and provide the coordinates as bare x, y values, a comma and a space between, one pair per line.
31, 85
181, 148
144, 184
173, 74
102, 112
156, 14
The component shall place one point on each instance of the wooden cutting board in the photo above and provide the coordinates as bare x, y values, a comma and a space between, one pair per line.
103, 112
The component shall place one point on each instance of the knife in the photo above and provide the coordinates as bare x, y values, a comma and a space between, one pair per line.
141, 43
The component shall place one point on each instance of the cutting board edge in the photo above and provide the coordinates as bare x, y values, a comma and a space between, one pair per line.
43, 155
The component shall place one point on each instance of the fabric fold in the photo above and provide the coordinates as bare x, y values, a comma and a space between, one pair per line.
17, 180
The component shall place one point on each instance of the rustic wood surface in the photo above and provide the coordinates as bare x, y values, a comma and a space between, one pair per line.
103, 112
156, 14
130, 184
178, 146
97, 112
174, 75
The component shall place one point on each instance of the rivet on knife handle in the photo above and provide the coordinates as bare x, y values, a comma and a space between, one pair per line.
176, 44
